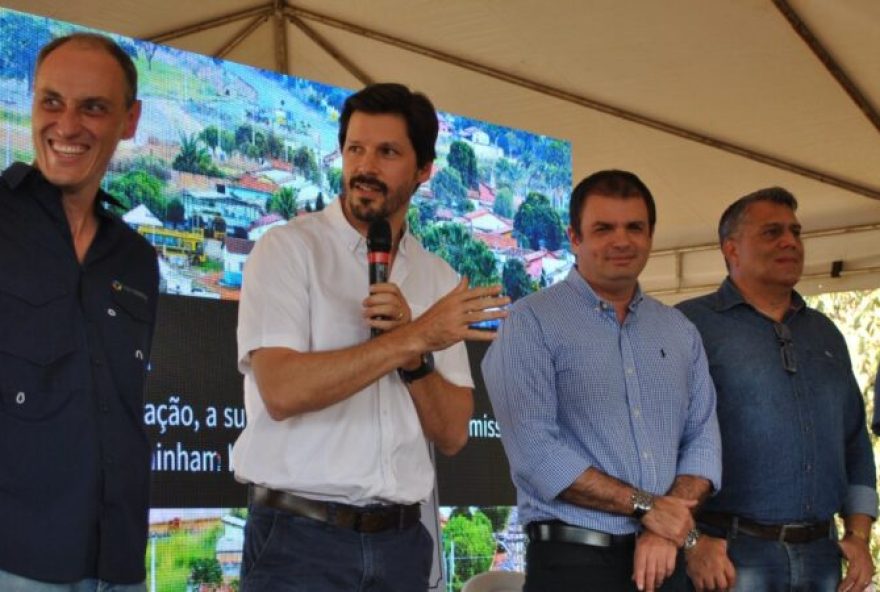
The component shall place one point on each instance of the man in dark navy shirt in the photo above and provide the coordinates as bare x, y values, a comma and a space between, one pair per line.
795, 445
78, 292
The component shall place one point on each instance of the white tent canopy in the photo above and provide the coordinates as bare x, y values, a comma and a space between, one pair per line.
706, 101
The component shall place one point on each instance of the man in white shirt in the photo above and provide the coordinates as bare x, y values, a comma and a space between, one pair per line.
336, 446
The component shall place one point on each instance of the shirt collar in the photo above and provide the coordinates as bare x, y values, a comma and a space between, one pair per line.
577, 281
729, 296
353, 239
18, 172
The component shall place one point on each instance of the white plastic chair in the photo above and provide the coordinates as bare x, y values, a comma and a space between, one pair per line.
495, 581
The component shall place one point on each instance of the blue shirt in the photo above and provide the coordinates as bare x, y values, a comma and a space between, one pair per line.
573, 388
796, 448
875, 423
74, 344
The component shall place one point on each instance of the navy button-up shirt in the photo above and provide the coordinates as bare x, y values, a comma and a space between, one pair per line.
74, 344
795, 444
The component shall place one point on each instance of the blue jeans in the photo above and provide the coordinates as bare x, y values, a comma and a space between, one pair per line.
771, 566
286, 553
13, 583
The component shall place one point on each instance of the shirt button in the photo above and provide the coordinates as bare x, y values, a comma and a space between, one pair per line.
139, 354
19, 397
636, 411
629, 370
97, 361
646, 454
111, 312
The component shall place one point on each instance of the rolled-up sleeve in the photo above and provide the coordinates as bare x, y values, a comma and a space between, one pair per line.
519, 374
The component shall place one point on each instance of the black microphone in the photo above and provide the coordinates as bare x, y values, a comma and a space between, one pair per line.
378, 255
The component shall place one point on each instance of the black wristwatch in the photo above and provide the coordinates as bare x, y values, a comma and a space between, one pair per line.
425, 368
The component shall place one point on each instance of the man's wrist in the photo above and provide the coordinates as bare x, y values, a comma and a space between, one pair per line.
425, 367
858, 534
642, 503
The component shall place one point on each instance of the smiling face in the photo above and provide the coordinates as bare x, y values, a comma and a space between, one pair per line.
78, 117
766, 250
379, 170
613, 244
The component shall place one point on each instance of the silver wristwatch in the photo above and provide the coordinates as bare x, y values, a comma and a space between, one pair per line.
642, 502
690, 541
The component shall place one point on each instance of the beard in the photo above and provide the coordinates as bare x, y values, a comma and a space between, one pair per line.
374, 209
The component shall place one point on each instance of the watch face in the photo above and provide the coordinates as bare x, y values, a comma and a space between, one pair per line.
691, 540
642, 502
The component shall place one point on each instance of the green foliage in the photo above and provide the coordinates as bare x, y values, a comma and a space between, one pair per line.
498, 516
334, 179
194, 158
469, 545
283, 203
254, 142
468, 256
148, 163
138, 187
175, 213
516, 280
462, 158
506, 172
210, 136
448, 188
538, 224
414, 221
303, 158
176, 552
503, 205
205, 570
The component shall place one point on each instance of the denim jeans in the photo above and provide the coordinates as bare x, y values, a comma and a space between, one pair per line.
13, 583
286, 553
771, 566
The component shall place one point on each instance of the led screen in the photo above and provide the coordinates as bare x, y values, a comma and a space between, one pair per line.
225, 152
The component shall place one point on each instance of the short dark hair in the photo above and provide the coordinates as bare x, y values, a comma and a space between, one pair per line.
100, 42
415, 108
610, 183
735, 212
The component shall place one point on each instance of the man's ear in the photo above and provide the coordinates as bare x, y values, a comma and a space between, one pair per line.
730, 250
573, 237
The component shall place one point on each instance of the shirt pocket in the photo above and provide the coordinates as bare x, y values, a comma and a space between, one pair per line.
132, 321
35, 320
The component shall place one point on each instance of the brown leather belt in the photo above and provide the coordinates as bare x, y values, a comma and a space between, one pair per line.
366, 519
560, 532
784, 533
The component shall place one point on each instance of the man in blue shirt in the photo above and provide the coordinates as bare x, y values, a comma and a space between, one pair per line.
78, 293
796, 449
606, 407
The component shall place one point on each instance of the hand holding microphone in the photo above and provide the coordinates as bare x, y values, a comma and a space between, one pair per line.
386, 307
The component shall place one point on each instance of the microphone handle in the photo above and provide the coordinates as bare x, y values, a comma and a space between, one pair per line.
378, 275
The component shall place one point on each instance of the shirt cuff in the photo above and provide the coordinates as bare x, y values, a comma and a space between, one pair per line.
558, 471
707, 466
860, 499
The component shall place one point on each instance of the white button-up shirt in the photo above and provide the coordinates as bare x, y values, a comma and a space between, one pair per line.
303, 287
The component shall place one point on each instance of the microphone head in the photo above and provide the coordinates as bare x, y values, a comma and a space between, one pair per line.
379, 236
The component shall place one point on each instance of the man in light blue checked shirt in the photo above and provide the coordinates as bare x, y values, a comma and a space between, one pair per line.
607, 409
